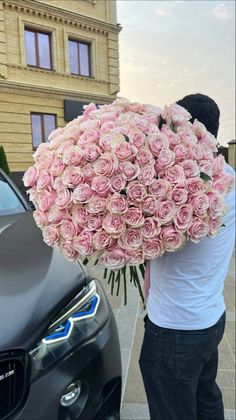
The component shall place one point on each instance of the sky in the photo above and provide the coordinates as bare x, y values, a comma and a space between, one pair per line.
169, 49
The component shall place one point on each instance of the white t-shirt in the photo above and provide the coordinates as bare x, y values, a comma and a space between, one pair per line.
186, 287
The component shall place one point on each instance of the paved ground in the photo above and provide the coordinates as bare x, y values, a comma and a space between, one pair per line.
130, 325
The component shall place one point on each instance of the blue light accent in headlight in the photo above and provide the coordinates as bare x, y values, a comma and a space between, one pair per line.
64, 330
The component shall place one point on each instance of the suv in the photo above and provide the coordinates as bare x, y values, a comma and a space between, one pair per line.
59, 346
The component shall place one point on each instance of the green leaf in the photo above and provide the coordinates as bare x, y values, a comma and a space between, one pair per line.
205, 177
126, 138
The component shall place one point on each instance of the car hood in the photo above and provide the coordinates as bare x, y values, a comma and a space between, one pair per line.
36, 281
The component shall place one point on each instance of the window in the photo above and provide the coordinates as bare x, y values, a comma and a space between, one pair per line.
42, 126
79, 56
38, 49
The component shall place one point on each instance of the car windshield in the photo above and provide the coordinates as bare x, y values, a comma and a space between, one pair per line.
9, 201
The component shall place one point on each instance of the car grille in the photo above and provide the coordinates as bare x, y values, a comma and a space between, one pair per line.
13, 382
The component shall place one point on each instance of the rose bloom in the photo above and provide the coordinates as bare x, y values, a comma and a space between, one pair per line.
44, 159
149, 205
125, 151
224, 184
140, 122
63, 199
88, 173
216, 204
106, 165
165, 212
101, 240
183, 217
210, 141
130, 239
80, 215
117, 182
108, 139
101, 186
136, 192
136, 138
198, 128
45, 199
40, 218
72, 133
134, 217
214, 226
114, 258
57, 132
206, 167
44, 179
94, 222
73, 156
58, 184
200, 204
56, 215
82, 193
172, 137
117, 203
56, 142
96, 204
190, 168
92, 151
172, 239
187, 136
129, 170
198, 229
50, 235
196, 186
144, 156
88, 109
176, 114
147, 174
175, 174
165, 158
89, 124
219, 165
149, 228
157, 142
83, 243
159, 188
135, 257
179, 195
113, 224
181, 152
68, 250
88, 137
72, 176
63, 147
30, 177
153, 248
107, 126
69, 229
57, 167
206, 152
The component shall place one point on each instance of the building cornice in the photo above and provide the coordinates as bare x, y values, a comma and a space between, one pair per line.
65, 17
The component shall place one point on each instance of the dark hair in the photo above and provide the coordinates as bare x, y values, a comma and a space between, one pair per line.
204, 109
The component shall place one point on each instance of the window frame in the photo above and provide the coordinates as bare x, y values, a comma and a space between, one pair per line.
41, 114
36, 32
78, 42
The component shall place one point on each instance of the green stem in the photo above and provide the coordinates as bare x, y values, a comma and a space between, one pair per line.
118, 283
105, 273
138, 284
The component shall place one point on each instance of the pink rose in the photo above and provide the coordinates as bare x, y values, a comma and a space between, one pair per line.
196, 186
224, 184
63, 147
216, 204
101, 186
206, 167
176, 114
130, 239
113, 224
92, 151
89, 126
46, 199
55, 133
165, 212
57, 167
106, 165
135, 257
72, 177
114, 259
72, 133
96, 204
165, 158
108, 116
44, 179
83, 243
129, 170
198, 229
63, 199
88, 137
190, 168
200, 204
181, 152
147, 174
206, 152
94, 222
82, 193
125, 151
219, 165
172, 137
56, 142
101, 240
172, 239
69, 229
88, 173
136, 192
159, 188
58, 184
67, 249
107, 126
40, 218
30, 177
198, 128
153, 248
73, 156
214, 226
134, 217
179, 195
117, 203
149, 205
44, 159
56, 215
140, 122
50, 235
136, 138
144, 156
187, 136
149, 228
88, 109
175, 174
80, 215
209, 140
157, 142
183, 217
117, 182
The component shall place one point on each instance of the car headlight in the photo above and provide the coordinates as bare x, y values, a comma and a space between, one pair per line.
76, 323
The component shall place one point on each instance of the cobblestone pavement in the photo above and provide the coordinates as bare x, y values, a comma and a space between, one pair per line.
130, 326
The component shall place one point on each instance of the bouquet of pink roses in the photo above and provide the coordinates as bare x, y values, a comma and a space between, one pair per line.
127, 182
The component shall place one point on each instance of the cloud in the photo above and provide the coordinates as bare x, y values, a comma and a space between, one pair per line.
220, 12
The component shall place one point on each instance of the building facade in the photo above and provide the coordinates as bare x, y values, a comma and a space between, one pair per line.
55, 56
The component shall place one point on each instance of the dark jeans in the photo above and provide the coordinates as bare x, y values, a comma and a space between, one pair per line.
179, 369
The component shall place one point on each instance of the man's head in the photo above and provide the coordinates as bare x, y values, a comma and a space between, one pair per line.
204, 109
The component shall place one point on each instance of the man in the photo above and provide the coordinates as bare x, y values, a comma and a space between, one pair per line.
186, 313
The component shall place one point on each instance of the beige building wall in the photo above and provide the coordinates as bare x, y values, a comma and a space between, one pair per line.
25, 89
